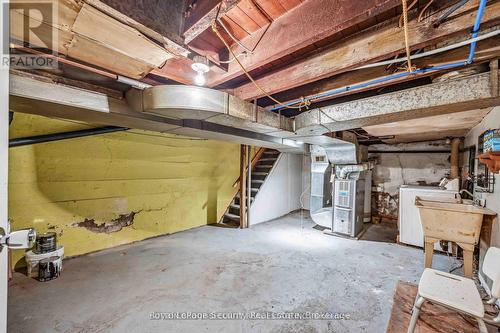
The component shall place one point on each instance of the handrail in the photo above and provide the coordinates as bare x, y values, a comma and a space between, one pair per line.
255, 159
236, 185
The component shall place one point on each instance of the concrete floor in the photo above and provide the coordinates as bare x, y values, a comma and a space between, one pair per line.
283, 265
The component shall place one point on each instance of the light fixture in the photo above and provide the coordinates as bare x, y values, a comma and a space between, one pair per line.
200, 66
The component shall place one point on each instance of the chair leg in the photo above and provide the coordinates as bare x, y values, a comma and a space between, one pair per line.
416, 311
482, 326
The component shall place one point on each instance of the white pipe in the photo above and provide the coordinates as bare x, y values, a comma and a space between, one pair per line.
435, 51
131, 82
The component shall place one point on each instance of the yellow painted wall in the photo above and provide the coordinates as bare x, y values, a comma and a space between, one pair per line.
173, 183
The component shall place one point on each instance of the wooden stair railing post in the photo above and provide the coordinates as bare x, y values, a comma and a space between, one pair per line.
249, 184
236, 184
243, 185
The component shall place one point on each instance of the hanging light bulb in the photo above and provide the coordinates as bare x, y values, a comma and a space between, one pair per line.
200, 66
199, 79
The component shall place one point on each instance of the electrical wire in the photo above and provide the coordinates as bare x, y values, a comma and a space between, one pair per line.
421, 15
450, 11
232, 36
387, 62
304, 103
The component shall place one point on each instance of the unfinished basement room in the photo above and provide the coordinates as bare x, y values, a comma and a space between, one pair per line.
266, 166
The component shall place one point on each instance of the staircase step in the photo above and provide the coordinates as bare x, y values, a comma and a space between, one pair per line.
269, 158
268, 166
232, 217
238, 196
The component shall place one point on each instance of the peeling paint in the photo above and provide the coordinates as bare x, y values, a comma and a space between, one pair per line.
115, 225
396, 169
385, 205
172, 184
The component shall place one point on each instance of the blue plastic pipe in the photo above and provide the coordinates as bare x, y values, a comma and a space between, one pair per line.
475, 30
470, 59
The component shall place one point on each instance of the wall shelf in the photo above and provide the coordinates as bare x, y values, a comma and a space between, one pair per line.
492, 161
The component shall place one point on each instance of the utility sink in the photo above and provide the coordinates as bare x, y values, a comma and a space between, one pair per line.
453, 220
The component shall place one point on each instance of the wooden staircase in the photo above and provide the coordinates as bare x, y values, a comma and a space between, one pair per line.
261, 167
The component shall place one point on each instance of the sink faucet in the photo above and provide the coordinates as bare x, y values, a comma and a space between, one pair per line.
458, 196
464, 190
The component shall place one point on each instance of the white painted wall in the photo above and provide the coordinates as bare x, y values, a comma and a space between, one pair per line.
491, 121
396, 169
4, 153
280, 194
306, 182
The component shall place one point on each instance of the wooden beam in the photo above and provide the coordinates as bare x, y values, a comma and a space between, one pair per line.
201, 16
429, 128
311, 22
485, 50
88, 35
170, 40
177, 69
243, 187
454, 95
384, 43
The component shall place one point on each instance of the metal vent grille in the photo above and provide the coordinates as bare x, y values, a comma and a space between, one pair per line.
343, 193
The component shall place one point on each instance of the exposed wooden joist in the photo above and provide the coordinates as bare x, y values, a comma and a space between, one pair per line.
455, 95
306, 24
375, 45
429, 128
201, 16
485, 50
88, 35
177, 69
170, 39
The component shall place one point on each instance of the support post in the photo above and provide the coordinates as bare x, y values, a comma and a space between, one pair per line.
494, 78
249, 183
243, 186
454, 159
4, 154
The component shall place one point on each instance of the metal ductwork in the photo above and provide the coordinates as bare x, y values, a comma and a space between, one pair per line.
324, 160
219, 108
213, 106
183, 110
321, 208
